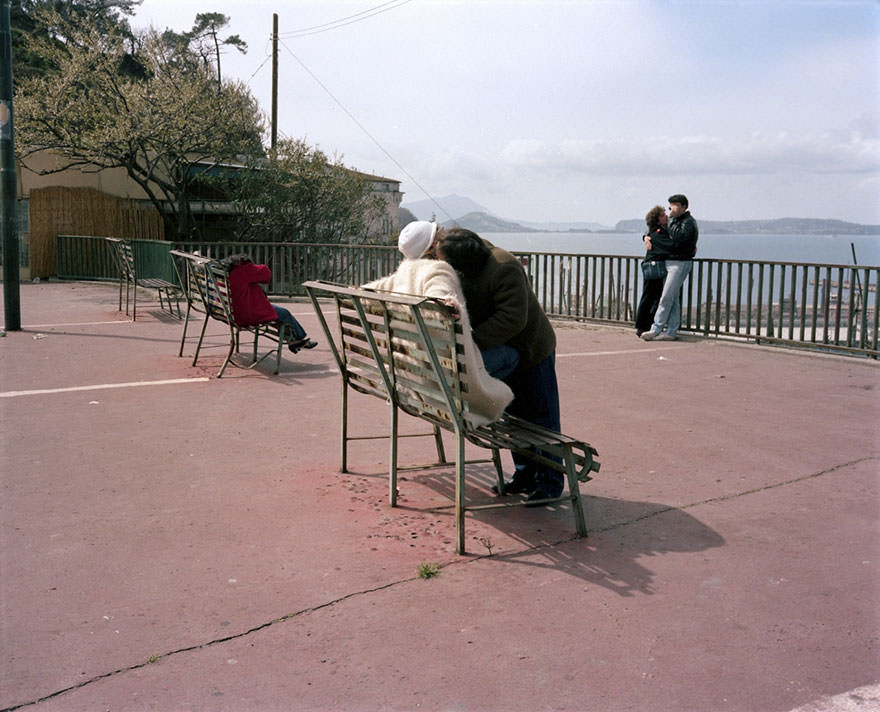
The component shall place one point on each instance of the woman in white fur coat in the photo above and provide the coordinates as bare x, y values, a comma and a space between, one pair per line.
487, 396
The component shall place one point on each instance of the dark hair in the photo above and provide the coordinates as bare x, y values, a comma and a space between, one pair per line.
464, 250
680, 199
232, 261
653, 217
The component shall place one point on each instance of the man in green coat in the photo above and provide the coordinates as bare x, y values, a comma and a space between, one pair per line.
507, 319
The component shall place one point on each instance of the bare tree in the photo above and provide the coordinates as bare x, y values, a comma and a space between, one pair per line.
155, 112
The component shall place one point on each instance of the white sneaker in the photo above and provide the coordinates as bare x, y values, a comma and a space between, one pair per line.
648, 336
666, 337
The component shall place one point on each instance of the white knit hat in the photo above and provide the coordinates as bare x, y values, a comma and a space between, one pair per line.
416, 238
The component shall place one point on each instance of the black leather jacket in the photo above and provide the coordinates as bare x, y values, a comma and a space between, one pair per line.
683, 232
661, 245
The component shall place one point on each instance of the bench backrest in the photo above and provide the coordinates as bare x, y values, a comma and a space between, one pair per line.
124, 257
404, 347
193, 276
215, 292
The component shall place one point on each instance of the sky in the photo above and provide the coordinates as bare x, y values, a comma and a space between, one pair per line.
578, 110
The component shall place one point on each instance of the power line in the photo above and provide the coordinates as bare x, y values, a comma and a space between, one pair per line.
342, 22
363, 128
262, 64
326, 27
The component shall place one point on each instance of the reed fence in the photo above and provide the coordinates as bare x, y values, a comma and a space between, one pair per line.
59, 210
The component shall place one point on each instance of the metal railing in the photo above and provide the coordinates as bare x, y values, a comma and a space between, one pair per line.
831, 307
828, 307
293, 263
88, 257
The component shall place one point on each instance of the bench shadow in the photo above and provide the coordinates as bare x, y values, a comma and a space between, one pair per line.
623, 535
162, 315
292, 373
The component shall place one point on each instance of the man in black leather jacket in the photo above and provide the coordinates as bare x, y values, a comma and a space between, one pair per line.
682, 228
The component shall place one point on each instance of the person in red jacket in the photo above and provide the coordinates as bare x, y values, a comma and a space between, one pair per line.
250, 304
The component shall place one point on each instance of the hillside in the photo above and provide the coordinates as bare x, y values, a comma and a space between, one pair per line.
483, 222
441, 209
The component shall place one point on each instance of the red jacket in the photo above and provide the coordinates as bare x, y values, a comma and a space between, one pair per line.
249, 302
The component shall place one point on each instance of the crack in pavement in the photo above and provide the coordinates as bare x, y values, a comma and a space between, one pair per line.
474, 558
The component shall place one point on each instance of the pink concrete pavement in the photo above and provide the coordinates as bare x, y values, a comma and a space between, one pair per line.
171, 541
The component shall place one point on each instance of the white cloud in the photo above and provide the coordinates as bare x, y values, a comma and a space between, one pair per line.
680, 155
585, 110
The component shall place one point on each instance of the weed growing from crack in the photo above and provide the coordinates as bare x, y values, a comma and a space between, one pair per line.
427, 571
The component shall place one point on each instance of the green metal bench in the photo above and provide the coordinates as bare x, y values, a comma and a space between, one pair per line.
124, 256
207, 291
407, 351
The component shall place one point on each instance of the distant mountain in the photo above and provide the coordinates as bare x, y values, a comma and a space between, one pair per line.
565, 226
481, 222
462, 211
780, 226
404, 216
450, 207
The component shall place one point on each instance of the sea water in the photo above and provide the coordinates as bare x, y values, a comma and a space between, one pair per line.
815, 249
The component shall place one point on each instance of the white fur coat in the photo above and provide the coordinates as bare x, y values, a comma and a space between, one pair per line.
487, 396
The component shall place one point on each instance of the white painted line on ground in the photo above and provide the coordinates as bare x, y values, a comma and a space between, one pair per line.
31, 327
103, 386
861, 699
621, 352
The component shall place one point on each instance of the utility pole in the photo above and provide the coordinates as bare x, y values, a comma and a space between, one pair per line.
274, 81
8, 228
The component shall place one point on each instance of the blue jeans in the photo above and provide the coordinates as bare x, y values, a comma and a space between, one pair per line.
500, 361
668, 314
536, 399
285, 317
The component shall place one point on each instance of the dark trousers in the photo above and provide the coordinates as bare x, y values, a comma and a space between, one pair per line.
651, 291
285, 317
536, 399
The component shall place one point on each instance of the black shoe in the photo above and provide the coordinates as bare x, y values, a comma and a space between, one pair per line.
518, 485
304, 343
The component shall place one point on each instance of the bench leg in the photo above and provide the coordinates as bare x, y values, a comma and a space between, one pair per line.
282, 339
499, 469
232, 342
438, 442
169, 295
278, 357
344, 428
185, 324
459, 494
199, 344
392, 458
575, 491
